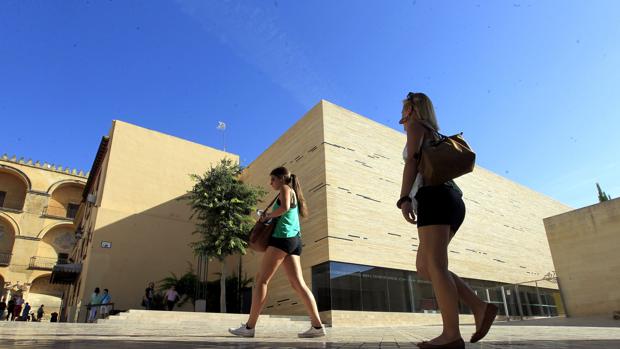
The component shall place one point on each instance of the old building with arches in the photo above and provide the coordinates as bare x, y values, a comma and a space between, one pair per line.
38, 202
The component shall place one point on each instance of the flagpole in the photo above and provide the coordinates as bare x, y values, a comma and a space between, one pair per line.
221, 126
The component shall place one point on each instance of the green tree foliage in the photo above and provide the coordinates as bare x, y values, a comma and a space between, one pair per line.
602, 196
222, 204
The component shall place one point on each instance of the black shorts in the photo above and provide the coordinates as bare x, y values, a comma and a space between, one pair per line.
440, 205
288, 245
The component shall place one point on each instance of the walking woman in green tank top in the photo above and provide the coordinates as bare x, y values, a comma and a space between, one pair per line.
284, 249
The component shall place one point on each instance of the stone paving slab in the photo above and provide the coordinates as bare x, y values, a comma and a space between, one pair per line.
565, 333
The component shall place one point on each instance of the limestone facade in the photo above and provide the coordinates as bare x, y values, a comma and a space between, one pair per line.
37, 204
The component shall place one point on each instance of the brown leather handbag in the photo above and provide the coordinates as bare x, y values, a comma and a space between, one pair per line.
445, 158
259, 236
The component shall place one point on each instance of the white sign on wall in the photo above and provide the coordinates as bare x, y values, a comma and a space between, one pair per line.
106, 244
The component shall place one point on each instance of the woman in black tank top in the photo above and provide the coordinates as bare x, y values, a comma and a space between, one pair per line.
440, 212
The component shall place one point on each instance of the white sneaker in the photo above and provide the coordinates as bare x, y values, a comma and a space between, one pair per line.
313, 332
242, 331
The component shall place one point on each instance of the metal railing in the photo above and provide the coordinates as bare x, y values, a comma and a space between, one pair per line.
527, 299
95, 312
5, 259
42, 263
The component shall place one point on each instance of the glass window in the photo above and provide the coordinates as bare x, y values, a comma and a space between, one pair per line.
400, 290
346, 285
425, 301
320, 286
2, 197
72, 210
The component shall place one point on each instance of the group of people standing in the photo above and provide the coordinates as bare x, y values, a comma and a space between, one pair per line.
99, 305
16, 309
171, 297
437, 210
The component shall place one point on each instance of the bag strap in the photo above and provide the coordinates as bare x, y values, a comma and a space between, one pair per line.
272, 202
430, 128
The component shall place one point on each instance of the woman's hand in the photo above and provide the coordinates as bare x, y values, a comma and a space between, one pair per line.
408, 213
265, 217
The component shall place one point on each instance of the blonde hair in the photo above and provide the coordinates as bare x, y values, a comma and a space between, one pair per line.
423, 108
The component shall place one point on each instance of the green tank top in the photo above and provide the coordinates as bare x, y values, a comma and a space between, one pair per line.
288, 223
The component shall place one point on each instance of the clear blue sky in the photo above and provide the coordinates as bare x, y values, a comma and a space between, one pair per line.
533, 84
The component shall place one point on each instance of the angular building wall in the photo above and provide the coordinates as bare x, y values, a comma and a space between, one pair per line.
302, 151
360, 245
584, 245
138, 228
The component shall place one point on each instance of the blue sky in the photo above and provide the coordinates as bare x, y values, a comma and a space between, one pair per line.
533, 84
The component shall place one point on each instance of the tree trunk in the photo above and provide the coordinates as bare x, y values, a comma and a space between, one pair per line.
239, 283
223, 287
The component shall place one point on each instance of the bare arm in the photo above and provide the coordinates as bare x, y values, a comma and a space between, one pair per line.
415, 134
285, 202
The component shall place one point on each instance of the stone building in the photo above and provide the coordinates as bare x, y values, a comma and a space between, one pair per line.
38, 202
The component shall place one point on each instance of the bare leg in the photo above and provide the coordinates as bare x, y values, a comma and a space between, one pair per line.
469, 297
292, 268
435, 239
272, 259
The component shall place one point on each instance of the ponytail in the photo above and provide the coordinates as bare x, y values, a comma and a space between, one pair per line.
301, 202
293, 181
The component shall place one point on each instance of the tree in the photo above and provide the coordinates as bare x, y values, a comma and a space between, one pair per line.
602, 196
222, 205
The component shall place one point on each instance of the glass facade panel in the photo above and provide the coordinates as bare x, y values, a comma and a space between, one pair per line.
344, 286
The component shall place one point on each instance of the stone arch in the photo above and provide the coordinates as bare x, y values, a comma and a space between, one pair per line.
7, 238
63, 182
42, 292
11, 222
65, 197
16, 185
56, 238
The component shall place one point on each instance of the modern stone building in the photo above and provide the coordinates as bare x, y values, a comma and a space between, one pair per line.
133, 225
37, 206
585, 249
359, 253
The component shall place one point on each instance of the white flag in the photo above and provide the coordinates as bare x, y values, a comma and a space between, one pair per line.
221, 125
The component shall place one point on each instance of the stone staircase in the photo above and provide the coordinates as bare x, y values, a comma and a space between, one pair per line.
197, 321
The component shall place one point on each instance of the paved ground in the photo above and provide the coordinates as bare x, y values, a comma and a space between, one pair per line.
555, 333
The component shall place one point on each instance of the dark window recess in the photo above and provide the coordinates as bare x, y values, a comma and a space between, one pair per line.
367, 198
363, 163
394, 234
381, 156
498, 260
339, 238
316, 188
298, 158
313, 149
2, 197
72, 210
334, 145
